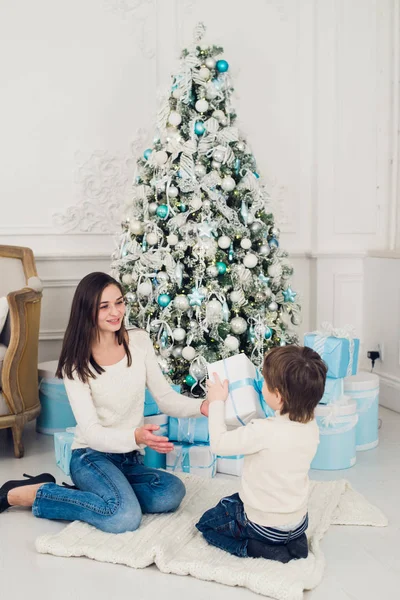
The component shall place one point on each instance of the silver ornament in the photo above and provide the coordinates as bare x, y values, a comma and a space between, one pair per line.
238, 325
153, 208
198, 371
130, 297
218, 155
275, 232
193, 324
177, 351
136, 227
210, 62
250, 219
162, 276
224, 122
241, 147
228, 184
215, 164
231, 343
272, 306
214, 308
256, 227
200, 170
260, 297
245, 243
264, 250
173, 191
188, 353
181, 302
212, 271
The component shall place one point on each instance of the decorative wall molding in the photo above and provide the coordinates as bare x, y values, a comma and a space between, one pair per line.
50, 335
55, 282
140, 16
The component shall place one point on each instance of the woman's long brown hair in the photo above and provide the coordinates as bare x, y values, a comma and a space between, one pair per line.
82, 330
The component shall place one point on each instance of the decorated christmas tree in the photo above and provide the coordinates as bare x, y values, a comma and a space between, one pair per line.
199, 256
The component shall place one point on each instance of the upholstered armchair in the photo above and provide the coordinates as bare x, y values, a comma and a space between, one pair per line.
19, 341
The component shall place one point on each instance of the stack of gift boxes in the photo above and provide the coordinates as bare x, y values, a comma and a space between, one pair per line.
347, 415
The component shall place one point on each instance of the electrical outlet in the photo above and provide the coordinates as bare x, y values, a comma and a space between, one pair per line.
381, 350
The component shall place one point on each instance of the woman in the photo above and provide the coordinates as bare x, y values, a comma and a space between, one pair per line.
105, 370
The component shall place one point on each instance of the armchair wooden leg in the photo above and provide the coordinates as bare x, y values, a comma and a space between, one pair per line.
17, 430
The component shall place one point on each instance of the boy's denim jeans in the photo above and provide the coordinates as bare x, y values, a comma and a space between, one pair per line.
226, 526
114, 490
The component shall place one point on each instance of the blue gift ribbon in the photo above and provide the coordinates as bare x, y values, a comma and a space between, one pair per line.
184, 457
257, 383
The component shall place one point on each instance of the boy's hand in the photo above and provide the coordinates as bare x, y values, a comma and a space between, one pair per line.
217, 390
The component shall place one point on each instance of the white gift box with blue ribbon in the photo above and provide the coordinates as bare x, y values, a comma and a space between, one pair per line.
245, 384
62, 447
189, 430
196, 459
337, 347
230, 465
334, 390
150, 405
364, 389
152, 458
337, 435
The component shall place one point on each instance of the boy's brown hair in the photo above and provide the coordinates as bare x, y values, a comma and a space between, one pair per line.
298, 373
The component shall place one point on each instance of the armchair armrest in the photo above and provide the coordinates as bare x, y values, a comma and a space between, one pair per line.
19, 377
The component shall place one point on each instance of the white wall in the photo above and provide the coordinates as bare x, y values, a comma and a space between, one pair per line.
314, 96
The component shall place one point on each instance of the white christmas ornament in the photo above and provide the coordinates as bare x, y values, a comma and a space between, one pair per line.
218, 114
161, 157
212, 271
188, 353
201, 105
177, 93
179, 334
127, 278
275, 270
145, 288
245, 243
172, 239
204, 73
214, 308
238, 325
228, 184
152, 239
231, 343
173, 191
136, 227
241, 147
200, 170
223, 122
218, 155
235, 296
162, 276
196, 203
211, 92
250, 219
250, 261
210, 62
224, 242
174, 118
181, 302
153, 208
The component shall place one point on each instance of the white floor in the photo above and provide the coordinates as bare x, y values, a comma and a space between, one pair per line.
362, 563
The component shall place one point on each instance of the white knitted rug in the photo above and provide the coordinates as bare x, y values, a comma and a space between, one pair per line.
172, 542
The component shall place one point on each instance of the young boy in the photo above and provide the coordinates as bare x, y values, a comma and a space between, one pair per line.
268, 517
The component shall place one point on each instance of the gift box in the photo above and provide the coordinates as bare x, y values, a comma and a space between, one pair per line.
62, 446
334, 389
152, 458
189, 431
56, 412
230, 465
151, 406
364, 389
245, 384
337, 348
196, 459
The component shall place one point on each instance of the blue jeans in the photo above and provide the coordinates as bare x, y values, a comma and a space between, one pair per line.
114, 490
226, 527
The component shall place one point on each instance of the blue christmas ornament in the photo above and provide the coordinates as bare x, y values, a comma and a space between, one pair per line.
256, 175
199, 128
163, 300
289, 295
226, 314
190, 380
251, 335
221, 266
236, 166
195, 297
147, 153
268, 333
183, 207
274, 243
244, 212
162, 211
137, 178
144, 243
231, 254
264, 279
164, 338
222, 66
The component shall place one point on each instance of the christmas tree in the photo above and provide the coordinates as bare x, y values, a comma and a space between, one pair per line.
199, 256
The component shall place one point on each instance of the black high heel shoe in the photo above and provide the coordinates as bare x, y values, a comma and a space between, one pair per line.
10, 485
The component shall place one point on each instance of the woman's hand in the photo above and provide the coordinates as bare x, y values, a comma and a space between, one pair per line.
204, 407
144, 435
217, 390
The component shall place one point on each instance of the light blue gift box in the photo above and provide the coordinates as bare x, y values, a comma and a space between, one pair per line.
56, 412
340, 354
152, 458
334, 389
192, 458
151, 406
189, 430
337, 436
364, 389
62, 446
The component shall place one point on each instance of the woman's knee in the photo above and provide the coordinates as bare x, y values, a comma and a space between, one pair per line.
122, 521
173, 493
